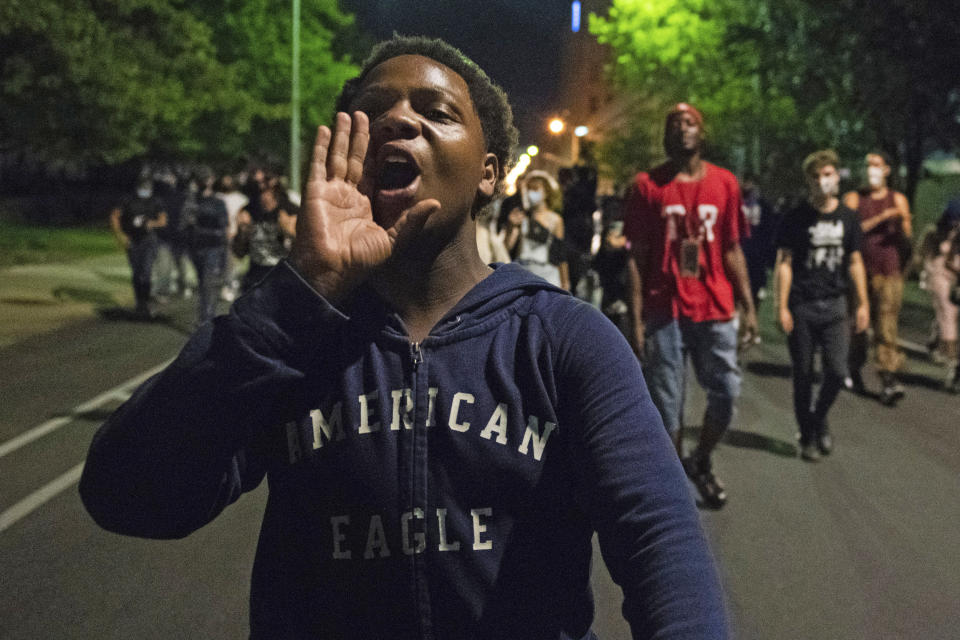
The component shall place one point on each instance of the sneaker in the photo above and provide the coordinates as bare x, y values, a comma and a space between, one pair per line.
954, 386
891, 394
951, 382
825, 443
854, 383
708, 485
809, 452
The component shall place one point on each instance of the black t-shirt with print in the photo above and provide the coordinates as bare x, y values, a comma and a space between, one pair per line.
821, 244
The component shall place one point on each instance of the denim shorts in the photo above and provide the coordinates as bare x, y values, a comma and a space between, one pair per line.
712, 347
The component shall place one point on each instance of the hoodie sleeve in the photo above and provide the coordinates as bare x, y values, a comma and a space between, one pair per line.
192, 438
633, 487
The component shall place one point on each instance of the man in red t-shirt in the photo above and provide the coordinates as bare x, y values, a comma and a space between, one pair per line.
885, 222
684, 221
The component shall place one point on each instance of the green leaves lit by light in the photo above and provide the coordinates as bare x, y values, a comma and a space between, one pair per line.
662, 38
780, 77
102, 81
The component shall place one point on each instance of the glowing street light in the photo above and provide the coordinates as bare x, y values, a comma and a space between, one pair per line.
581, 131
511, 180
533, 150
556, 126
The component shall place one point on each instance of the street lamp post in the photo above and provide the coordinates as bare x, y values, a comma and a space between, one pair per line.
295, 102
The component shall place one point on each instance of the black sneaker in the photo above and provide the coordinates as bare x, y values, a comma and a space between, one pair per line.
710, 488
891, 394
854, 383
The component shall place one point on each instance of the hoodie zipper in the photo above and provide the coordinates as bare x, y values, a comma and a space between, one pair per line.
418, 463
416, 355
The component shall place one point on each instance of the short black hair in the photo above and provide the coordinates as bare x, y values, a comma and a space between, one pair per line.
489, 100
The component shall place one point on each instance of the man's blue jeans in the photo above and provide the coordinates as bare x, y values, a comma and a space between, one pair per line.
712, 347
211, 265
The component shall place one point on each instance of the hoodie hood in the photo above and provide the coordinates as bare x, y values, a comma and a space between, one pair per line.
498, 292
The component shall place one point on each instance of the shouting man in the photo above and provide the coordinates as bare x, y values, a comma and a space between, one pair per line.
441, 438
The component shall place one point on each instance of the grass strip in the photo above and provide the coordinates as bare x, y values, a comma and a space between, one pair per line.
31, 244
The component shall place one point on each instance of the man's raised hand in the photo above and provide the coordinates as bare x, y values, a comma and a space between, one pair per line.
338, 243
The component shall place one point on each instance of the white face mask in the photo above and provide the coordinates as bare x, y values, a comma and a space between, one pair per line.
535, 197
144, 193
830, 185
875, 176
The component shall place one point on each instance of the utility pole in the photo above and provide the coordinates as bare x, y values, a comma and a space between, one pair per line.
295, 102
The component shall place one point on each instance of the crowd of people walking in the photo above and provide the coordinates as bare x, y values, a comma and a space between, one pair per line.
678, 261
193, 233
444, 435
682, 260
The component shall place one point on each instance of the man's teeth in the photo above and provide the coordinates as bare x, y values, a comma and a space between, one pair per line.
396, 158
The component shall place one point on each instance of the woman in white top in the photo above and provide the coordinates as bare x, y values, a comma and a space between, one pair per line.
531, 236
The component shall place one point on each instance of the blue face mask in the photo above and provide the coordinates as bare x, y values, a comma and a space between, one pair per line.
144, 193
535, 197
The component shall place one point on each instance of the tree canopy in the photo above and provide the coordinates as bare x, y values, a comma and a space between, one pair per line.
778, 79
88, 82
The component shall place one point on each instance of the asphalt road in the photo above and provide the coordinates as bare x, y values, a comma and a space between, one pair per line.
861, 545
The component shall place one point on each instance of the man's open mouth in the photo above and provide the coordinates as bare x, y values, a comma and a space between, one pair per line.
398, 178
397, 173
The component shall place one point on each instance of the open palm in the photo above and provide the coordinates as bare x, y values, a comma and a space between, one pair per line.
338, 227
338, 242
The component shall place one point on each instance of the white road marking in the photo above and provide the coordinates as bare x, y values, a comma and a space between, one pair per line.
23, 508
48, 491
121, 392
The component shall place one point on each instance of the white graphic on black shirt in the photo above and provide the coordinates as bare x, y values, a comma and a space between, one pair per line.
826, 246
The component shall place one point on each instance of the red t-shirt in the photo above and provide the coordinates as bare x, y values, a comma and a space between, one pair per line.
660, 213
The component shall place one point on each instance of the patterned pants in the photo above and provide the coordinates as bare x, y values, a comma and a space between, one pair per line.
886, 297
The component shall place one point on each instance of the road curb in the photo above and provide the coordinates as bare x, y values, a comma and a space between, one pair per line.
38, 298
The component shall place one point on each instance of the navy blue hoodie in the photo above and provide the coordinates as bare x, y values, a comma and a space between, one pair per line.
446, 489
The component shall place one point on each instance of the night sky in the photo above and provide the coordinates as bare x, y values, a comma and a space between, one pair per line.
517, 42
